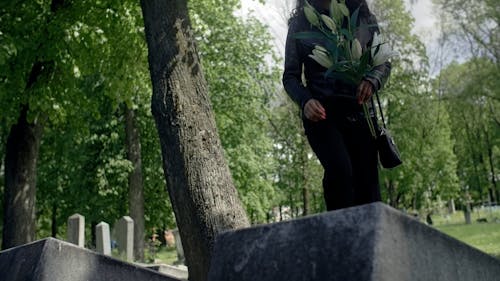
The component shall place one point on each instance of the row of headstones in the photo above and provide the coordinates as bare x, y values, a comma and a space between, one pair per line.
124, 230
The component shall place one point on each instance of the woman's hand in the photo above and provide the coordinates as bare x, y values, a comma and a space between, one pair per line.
365, 91
314, 111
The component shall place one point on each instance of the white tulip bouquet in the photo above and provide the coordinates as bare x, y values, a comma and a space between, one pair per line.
342, 53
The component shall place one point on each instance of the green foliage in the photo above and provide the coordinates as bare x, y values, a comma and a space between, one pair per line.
470, 91
298, 169
234, 53
157, 208
91, 180
418, 120
91, 59
98, 61
447, 128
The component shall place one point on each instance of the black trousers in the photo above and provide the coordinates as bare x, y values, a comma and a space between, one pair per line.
346, 149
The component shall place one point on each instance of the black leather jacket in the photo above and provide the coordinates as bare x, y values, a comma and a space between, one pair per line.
297, 61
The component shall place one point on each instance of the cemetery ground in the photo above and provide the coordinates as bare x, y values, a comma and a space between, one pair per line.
166, 255
483, 235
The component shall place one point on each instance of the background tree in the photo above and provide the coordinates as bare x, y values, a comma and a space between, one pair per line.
81, 90
92, 59
467, 97
418, 119
30, 63
469, 31
299, 173
135, 181
83, 164
472, 26
236, 55
198, 179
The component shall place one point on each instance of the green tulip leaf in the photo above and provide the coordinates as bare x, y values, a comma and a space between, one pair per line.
354, 19
308, 35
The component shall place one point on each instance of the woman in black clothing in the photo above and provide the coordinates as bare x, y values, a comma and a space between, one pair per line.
332, 111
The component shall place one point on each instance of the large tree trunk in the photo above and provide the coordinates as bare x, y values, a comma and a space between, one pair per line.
390, 191
305, 198
303, 178
493, 189
21, 156
135, 182
54, 220
200, 186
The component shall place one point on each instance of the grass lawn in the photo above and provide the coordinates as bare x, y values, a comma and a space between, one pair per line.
484, 236
165, 255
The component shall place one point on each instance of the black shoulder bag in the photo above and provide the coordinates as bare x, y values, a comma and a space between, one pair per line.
388, 152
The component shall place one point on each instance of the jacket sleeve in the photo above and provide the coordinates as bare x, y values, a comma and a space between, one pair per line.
292, 75
379, 75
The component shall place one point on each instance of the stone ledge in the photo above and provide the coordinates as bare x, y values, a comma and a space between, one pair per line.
179, 272
54, 260
370, 242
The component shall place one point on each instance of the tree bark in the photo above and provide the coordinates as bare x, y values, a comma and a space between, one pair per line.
305, 199
200, 187
391, 192
493, 189
451, 206
135, 182
21, 156
305, 190
54, 220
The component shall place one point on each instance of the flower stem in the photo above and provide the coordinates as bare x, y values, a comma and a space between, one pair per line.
369, 120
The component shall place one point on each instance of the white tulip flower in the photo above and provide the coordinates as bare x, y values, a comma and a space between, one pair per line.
344, 10
311, 15
356, 49
335, 12
384, 52
321, 48
329, 23
321, 56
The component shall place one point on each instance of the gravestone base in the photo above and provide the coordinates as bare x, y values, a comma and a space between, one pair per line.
54, 260
368, 243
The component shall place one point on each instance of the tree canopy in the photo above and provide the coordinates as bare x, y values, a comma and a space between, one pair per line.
77, 65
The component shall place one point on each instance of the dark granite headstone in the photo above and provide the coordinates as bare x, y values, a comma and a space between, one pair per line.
54, 260
368, 243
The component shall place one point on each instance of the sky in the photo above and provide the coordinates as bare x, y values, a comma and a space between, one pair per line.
275, 12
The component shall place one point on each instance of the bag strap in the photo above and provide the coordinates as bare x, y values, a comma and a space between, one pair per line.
380, 109
368, 117
369, 120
